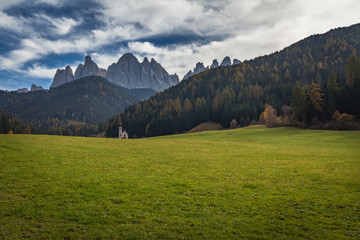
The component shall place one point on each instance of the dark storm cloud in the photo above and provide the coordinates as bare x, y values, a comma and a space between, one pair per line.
181, 38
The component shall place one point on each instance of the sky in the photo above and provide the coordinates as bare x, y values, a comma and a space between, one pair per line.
39, 36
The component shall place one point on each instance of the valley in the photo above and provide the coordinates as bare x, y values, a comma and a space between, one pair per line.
179, 119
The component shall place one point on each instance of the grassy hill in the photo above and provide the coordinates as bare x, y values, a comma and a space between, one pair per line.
207, 126
249, 183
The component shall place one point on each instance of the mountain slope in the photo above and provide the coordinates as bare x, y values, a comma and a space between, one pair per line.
239, 92
90, 100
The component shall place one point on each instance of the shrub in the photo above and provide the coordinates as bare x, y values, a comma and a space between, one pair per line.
343, 121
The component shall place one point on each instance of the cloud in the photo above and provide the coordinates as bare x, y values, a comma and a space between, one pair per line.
40, 71
5, 3
51, 2
36, 48
203, 29
10, 23
105, 60
61, 26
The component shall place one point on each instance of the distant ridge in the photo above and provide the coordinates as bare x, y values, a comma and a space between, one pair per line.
89, 100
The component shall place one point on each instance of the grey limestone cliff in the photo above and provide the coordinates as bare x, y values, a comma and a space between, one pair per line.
36, 88
22, 90
130, 73
189, 74
90, 68
198, 69
214, 64
226, 62
200, 66
62, 76
236, 61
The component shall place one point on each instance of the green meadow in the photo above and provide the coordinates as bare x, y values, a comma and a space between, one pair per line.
249, 183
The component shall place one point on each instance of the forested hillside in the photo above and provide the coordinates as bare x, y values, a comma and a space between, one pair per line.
11, 124
89, 100
325, 66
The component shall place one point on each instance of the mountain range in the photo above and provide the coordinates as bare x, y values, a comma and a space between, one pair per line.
200, 66
91, 95
227, 93
128, 72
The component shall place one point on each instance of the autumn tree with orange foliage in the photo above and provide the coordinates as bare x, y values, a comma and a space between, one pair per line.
269, 116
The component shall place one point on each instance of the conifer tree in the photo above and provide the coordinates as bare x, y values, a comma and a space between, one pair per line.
352, 71
187, 105
331, 93
298, 103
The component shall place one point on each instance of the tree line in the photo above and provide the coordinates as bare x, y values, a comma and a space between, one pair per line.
318, 106
10, 124
76, 108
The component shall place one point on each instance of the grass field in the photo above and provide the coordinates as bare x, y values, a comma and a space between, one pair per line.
250, 183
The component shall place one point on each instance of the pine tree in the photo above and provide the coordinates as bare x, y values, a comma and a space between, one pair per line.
187, 105
331, 93
352, 71
177, 105
298, 103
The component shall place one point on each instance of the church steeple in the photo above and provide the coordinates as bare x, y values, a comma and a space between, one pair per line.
120, 131
122, 134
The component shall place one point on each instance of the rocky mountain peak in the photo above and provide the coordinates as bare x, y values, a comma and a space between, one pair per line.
88, 60
79, 70
236, 61
199, 68
127, 59
188, 74
62, 76
36, 88
22, 90
226, 62
146, 60
90, 68
214, 64
127, 72
130, 73
153, 61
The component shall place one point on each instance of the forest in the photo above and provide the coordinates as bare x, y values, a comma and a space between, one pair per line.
78, 108
10, 124
312, 83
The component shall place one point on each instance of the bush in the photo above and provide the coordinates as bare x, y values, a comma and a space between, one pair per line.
233, 123
343, 121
